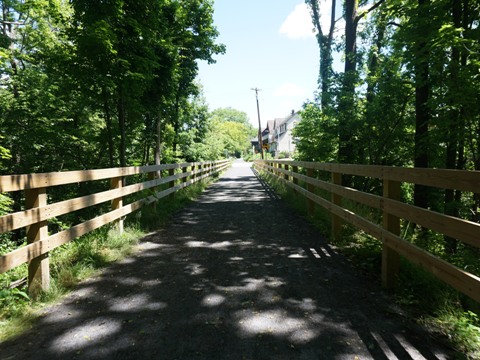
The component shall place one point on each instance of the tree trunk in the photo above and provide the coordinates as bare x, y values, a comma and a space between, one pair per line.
325, 46
454, 127
158, 144
121, 126
176, 122
346, 105
422, 95
110, 135
371, 84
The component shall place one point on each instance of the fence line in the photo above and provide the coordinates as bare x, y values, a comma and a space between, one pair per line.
393, 210
37, 212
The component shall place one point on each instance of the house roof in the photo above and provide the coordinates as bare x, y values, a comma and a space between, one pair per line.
277, 122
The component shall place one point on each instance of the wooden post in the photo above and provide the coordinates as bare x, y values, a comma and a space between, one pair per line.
286, 177
117, 183
38, 268
337, 200
390, 258
310, 188
295, 170
171, 183
185, 170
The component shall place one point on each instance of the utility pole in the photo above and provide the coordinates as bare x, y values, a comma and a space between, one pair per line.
260, 142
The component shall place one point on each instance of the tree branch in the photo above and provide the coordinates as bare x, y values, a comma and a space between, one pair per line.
332, 23
373, 7
316, 15
11, 22
395, 24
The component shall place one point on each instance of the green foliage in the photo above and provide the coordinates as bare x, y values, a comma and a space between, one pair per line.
231, 115
86, 84
316, 134
462, 328
12, 302
229, 134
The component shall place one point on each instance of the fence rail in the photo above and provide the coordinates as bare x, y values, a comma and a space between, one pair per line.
393, 210
37, 211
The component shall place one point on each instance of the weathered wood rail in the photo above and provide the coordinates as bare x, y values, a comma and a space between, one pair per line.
393, 210
38, 211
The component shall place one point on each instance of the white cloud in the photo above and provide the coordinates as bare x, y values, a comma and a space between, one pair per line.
298, 24
289, 89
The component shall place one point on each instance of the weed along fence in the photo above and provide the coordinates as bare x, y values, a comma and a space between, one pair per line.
294, 173
38, 211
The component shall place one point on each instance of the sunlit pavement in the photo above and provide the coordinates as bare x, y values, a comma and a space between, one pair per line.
236, 275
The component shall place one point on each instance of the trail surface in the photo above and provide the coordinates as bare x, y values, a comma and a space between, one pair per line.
236, 275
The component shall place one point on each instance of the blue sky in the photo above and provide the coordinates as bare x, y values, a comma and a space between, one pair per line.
270, 45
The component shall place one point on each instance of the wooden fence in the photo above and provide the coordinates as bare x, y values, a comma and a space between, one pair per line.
393, 209
38, 211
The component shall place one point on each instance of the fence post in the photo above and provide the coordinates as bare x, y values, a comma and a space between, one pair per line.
171, 183
336, 200
295, 170
38, 268
391, 223
310, 188
198, 169
117, 183
185, 170
286, 177
194, 168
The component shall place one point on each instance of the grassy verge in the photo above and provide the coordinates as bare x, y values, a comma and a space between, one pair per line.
81, 259
447, 313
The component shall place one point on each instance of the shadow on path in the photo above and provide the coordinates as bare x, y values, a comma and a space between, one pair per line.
235, 275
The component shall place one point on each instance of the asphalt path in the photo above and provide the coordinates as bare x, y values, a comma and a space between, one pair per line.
235, 275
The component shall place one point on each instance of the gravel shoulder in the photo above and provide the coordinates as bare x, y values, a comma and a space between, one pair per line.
236, 275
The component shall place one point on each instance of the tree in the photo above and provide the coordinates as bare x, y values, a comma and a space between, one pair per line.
149, 50
348, 112
230, 114
317, 134
325, 42
229, 133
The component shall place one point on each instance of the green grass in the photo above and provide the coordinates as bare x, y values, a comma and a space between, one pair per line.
446, 312
81, 259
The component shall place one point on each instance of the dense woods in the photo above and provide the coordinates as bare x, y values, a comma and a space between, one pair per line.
408, 94
88, 84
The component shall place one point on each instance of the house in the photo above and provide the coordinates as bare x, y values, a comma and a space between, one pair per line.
268, 134
279, 135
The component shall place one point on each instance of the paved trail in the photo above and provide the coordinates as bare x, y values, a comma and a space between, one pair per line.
236, 275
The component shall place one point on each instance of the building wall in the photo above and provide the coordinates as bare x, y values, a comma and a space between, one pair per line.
285, 139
